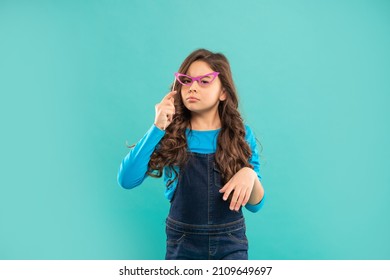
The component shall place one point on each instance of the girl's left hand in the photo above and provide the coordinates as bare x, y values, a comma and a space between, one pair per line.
241, 184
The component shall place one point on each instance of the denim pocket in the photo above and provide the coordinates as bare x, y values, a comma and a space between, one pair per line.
173, 236
238, 236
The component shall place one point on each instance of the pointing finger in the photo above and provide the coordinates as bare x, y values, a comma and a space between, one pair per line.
169, 95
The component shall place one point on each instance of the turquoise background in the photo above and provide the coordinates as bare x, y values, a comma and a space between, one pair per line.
79, 78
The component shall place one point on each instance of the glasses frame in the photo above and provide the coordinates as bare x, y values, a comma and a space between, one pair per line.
198, 79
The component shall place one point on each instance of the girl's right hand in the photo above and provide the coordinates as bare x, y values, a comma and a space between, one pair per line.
165, 111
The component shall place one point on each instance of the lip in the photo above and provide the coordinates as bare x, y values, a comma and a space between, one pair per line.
192, 99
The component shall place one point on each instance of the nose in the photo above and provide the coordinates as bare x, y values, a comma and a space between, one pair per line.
194, 87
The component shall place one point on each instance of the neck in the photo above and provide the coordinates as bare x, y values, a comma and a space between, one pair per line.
209, 121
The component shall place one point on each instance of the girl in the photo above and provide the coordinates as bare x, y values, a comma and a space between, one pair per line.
209, 160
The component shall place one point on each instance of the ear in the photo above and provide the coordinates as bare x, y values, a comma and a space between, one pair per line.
222, 95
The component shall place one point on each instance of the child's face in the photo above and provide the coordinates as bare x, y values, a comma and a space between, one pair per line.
202, 99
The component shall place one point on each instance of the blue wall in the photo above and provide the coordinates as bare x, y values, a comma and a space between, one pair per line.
79, 78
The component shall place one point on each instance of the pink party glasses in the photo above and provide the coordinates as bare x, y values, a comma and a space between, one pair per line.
203, 80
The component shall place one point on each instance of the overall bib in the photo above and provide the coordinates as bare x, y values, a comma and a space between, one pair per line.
200, 225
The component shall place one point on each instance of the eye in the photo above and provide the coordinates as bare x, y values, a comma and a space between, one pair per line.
205, 80
185, 80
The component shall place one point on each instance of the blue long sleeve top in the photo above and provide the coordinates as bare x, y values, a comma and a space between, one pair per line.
132, 171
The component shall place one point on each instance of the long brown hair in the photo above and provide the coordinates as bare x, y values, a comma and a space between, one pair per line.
233, 152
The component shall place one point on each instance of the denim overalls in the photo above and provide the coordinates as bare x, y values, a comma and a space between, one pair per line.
200, 224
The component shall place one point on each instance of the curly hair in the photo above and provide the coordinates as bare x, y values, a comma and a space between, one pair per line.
233, 152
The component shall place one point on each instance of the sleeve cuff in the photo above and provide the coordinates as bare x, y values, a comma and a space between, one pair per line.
256, 207
155, 130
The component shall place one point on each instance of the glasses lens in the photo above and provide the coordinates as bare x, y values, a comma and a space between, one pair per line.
206, 80
184, 80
